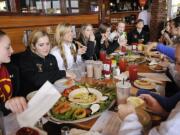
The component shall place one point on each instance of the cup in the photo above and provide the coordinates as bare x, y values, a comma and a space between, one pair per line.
123, 48
123, 91
122, 65
102, 55
129, 47
76, 70
133, 72
82, 68
65, 130
89, 68
140, 47
98, 66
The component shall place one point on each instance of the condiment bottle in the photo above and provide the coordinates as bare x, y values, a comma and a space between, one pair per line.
107, 68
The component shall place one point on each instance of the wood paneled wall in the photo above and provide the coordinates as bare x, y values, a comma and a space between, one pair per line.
15, 26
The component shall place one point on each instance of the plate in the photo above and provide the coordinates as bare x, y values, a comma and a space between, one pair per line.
58, 121
30, 95
152, 59
135, 58
81, 95
62, 84
144, 84
157, 68
70, 111
27, 130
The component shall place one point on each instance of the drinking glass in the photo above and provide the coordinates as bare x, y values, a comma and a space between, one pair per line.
89, 67
123, 91
122, 65
82, 68
98, 66
123, 48
102, 55
76, 70
133, 72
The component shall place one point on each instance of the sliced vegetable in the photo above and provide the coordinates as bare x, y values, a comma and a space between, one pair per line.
79, 113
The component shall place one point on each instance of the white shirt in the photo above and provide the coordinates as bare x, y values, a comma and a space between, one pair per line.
168, 127
145, 16
68, 55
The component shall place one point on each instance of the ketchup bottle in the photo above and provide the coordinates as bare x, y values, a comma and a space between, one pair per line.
107, 67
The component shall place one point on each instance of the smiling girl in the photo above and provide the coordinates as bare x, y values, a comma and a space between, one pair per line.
8, 81
37, 65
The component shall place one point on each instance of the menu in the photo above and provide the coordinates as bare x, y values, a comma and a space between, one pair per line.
38, 105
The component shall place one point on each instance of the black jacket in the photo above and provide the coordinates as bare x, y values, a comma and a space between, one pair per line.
35, 71
14, 75
134, 36
101, 46
90, 50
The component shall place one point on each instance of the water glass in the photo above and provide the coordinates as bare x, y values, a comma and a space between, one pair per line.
82, 68
76, 70
122, 65
98, 67
123, 91
89, 67
133, 72
102, 55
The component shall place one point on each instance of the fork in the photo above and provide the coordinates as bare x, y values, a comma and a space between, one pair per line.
89, 93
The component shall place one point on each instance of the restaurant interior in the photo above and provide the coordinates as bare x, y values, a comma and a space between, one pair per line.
89, 67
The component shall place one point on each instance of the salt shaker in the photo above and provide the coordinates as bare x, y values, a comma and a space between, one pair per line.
65, 130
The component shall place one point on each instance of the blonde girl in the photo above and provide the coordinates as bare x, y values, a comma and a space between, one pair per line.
37, 65
65, 51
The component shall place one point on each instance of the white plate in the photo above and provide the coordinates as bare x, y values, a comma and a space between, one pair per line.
97, 93
114, 53
61, 84
57, 121
147, 87
155, 70
30, 95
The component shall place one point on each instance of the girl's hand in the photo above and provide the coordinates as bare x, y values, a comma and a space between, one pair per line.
124, 110
153, 104
70, 75
16, 104
82, 50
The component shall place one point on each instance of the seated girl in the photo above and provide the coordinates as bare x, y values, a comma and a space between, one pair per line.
166, 37
65, 51
37, 65
102, 40
87, 38
9, 80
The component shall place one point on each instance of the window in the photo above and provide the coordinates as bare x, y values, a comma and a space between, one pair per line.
3, 6
173, 8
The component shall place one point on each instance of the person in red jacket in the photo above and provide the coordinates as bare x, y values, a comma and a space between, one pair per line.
15, 104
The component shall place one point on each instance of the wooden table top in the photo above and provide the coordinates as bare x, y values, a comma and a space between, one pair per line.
88, 124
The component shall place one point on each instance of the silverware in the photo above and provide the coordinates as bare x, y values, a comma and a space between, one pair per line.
89, 93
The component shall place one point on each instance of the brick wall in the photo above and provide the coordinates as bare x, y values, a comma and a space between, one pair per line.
158, 15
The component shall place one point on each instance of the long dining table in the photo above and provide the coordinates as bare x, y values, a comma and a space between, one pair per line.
54, 129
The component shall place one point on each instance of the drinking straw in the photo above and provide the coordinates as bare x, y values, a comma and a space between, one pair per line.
123, 81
